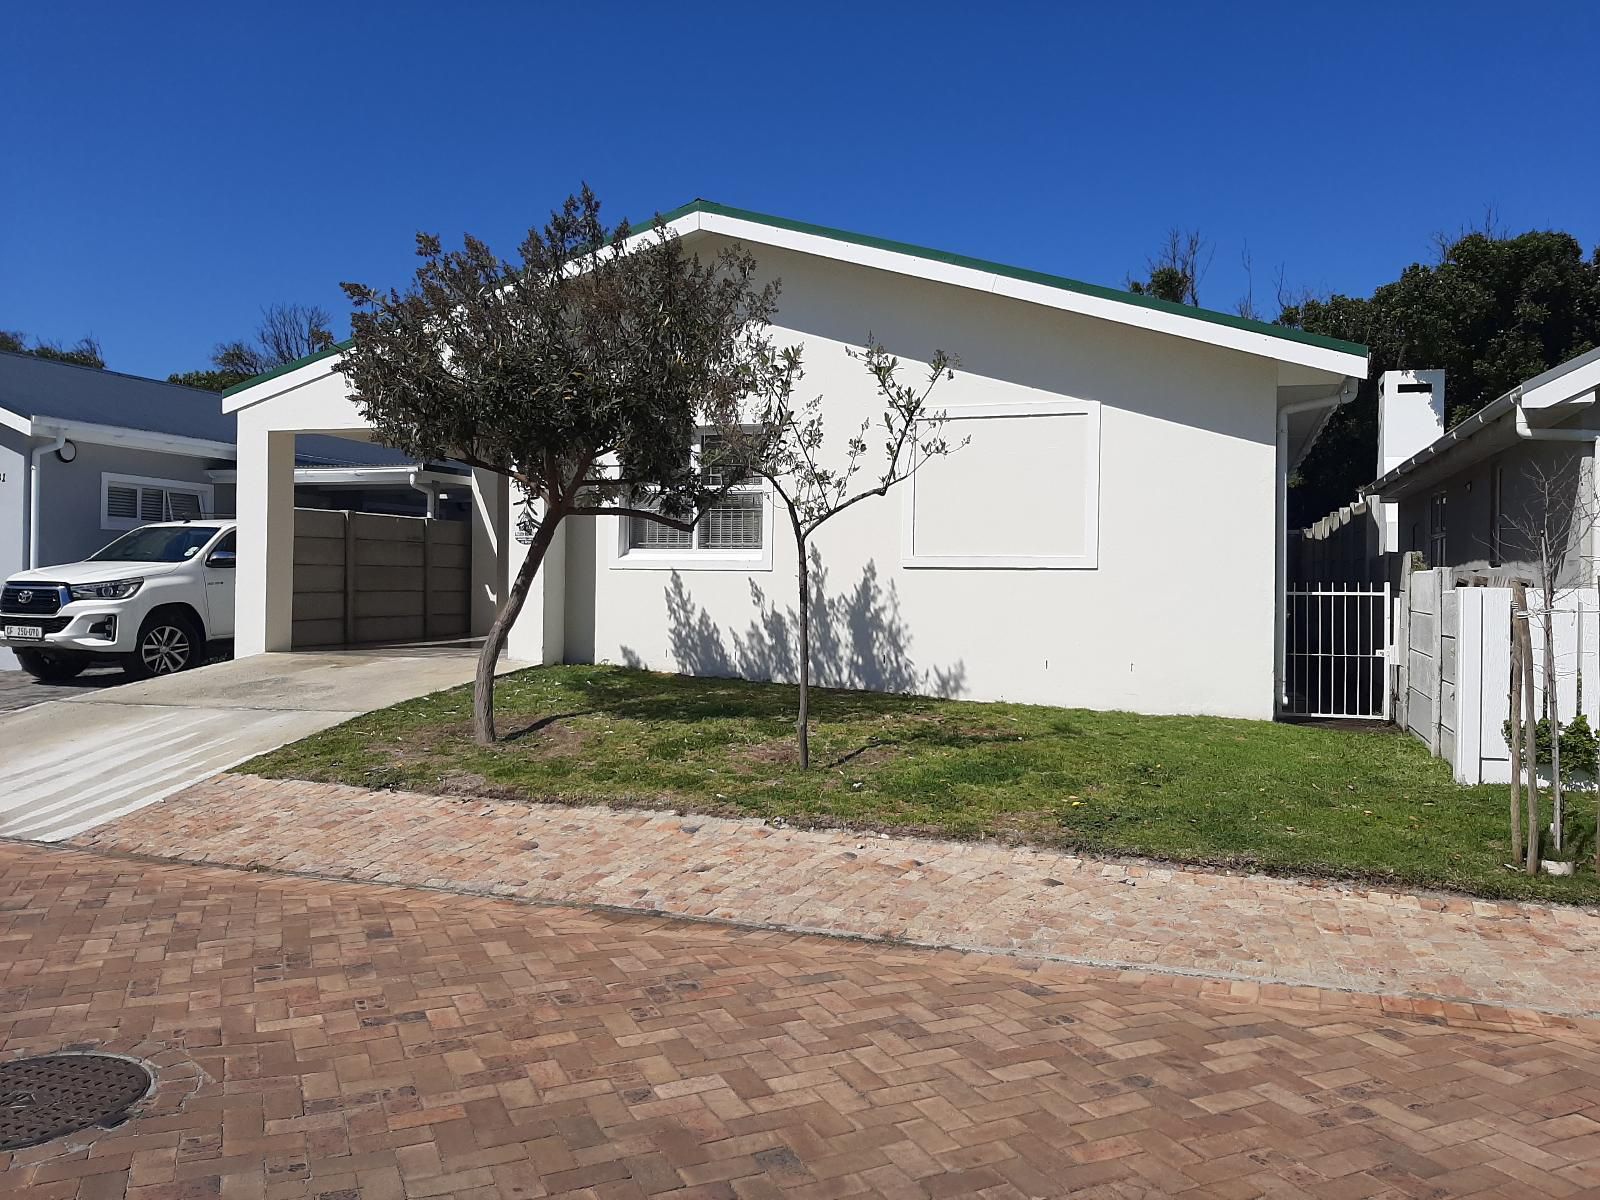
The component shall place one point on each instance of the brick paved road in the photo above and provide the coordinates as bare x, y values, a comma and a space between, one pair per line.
1263, 931
341, 1040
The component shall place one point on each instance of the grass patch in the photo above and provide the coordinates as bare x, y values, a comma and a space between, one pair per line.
1282, 798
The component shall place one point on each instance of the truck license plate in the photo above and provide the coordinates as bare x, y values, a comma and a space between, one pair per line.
25, 632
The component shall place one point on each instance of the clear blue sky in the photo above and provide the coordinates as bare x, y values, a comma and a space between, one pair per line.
169, 168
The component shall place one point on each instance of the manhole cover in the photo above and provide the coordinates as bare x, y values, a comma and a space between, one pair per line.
45, 1097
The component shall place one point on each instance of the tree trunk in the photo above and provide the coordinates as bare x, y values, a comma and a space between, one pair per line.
495, 642
1530, 740
802, 725
1516, 745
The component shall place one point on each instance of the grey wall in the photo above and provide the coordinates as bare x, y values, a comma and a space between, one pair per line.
1467, 508
69, 497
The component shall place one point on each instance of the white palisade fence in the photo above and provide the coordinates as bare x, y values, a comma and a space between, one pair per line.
1454, 667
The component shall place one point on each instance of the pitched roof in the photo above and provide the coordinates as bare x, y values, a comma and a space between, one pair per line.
1076, 287
40, 389
48, 392
1023, 274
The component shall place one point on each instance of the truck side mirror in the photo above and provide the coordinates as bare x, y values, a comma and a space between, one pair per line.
224, 559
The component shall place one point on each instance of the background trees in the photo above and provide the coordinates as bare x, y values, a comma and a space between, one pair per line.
286, 332
85, 352
581, 373
1177, 269
1493, 311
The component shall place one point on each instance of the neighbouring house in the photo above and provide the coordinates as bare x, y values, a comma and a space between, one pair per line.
1463, 498
87, 454
1441, 532
1111, 538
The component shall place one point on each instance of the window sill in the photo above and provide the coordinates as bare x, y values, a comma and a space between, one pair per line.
698, 560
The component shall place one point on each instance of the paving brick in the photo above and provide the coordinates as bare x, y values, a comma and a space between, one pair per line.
1259, 939
607, 1054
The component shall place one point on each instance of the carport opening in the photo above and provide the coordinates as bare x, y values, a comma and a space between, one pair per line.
370, 579
382, 548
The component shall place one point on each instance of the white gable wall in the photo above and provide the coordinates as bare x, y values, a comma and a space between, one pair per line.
1176, 615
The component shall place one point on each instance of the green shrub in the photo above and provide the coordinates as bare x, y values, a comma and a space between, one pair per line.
1580, 748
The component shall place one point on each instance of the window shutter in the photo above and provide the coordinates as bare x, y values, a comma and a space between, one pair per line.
122, 502
152, 505
184, 506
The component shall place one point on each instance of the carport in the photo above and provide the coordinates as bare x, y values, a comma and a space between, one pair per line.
364, 581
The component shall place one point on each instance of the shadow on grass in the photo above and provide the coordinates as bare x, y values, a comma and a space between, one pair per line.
543, 723
650, 696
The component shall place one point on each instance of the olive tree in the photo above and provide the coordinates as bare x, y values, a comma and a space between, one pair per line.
780, 439
580, 372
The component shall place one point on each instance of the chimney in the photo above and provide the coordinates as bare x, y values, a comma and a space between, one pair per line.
1410, 415
1410, 418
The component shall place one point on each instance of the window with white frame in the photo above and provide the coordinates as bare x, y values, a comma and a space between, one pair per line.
128, 501
735, 529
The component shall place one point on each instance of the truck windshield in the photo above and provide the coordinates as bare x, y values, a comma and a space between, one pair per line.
158, 543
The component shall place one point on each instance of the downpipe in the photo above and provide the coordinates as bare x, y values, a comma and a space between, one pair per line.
429, 490
35, 458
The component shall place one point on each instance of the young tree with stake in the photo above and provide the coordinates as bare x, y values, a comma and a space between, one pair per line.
580, 373
781, 440
1549, 529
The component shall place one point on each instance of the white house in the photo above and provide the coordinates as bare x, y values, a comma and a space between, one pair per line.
1111, 538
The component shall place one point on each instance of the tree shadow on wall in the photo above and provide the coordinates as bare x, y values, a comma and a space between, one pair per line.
858, 639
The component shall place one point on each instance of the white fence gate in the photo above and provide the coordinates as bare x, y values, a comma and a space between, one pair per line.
1336, 651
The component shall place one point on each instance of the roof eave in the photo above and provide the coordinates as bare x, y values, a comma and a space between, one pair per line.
1281, 343
1252, 337
231, 404
134, 439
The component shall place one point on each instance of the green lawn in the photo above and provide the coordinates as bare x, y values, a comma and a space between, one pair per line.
1195, 789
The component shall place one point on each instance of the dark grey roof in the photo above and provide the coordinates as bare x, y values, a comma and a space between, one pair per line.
320, 450
43, 390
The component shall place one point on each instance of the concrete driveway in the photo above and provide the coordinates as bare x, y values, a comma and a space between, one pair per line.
94, 754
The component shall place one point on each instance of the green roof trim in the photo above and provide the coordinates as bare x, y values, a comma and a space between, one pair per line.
336, 348
1100, 291
1023, 274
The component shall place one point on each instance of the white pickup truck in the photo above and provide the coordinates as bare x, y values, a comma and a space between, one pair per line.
152, 600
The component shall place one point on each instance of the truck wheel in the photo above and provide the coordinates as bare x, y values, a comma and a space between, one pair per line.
52, 666
168, 643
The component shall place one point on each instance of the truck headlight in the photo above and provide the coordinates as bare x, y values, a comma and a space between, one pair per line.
120, 589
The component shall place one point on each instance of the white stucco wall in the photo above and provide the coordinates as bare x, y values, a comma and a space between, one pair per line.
1177, 615
1164, 605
